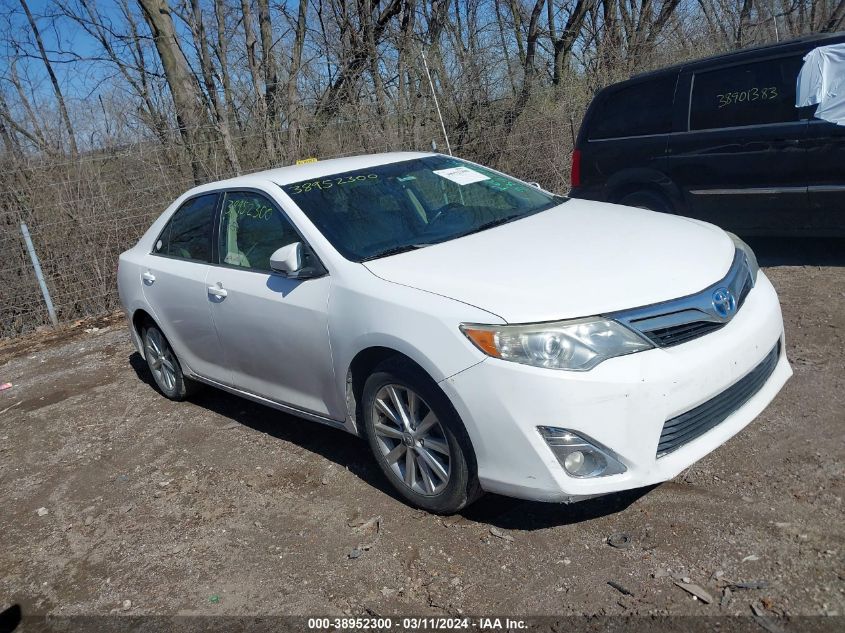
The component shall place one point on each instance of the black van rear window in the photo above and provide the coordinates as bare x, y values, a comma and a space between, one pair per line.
750, 94
643, 108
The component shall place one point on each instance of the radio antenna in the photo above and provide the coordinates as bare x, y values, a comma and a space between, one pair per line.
436, 105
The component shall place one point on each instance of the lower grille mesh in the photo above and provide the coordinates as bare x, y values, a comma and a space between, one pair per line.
694, 423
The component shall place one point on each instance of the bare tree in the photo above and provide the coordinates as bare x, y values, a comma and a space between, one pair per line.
562, 43
837, 18
294, 113
217, 105
183, 85
55, 82
268, 64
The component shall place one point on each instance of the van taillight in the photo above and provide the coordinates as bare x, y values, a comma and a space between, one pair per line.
575, 175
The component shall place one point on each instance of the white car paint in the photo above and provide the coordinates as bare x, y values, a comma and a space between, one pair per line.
290, 344
567, 262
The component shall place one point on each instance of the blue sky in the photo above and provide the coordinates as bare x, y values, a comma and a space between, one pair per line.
78, 80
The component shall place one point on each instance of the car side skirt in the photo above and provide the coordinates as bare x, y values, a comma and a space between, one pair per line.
280, 406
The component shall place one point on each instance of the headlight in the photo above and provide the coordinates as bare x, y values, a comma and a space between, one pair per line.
577, 345
750, 257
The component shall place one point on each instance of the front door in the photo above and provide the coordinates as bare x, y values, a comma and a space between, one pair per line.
274, 330
741, 159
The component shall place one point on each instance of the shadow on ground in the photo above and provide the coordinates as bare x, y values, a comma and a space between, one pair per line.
777, 251
354, 454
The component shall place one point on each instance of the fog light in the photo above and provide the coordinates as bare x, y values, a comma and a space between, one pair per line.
574, 461
580, 456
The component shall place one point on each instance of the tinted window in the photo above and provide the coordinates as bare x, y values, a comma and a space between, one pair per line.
189, 232
251, 230
644, 108
411, 204
750, 94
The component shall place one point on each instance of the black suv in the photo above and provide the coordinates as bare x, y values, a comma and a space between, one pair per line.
718, 139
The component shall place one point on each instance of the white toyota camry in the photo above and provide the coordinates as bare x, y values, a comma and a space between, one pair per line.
482, 334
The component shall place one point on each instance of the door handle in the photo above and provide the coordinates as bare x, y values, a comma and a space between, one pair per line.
148, 278
217, 291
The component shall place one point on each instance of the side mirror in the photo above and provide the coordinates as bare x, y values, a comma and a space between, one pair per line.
288, 259
536, 185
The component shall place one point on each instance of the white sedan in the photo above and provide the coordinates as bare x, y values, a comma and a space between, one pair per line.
482, 334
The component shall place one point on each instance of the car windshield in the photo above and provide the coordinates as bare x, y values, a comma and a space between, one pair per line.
388, 209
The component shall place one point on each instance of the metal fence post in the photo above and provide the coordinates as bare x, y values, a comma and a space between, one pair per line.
39, 275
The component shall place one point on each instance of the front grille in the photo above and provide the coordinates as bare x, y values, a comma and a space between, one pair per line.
694, 423
677, 334
680, 320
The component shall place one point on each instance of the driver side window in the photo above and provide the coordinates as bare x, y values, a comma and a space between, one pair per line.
251, 230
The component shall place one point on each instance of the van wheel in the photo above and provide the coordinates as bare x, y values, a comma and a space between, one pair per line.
165, 367
645, 199
418, 439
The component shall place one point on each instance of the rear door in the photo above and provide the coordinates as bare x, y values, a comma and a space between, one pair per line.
825, 79
740, 157
175, 288
826, 180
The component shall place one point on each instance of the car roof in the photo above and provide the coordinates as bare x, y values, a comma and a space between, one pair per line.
742, 54
310, 171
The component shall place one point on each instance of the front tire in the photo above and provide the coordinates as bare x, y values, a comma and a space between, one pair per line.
165, 367
418, 439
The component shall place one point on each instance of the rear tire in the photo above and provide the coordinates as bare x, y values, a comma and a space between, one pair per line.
646, 199
165, 367
418, 439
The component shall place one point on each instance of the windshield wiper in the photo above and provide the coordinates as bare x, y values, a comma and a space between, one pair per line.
491, 224
395, 250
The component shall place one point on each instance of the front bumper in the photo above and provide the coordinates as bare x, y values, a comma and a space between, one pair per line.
622, 403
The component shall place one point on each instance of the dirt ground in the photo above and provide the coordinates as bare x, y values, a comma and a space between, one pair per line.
221, 506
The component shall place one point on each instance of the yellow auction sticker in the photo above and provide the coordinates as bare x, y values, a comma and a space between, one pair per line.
303, 161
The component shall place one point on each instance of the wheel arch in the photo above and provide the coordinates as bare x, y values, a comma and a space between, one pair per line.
629, 181
138, 320
361, 367
141, 318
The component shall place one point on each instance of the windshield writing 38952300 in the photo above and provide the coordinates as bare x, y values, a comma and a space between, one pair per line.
328, 183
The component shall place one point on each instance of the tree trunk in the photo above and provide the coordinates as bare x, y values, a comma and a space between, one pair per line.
219, 111
836, 20
356, 59
222, 52
268, 65
255, 74
563, 44
528, 80
372, 56
293, 93
181, 81
744, 22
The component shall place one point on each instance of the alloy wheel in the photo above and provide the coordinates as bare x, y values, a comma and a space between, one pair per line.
411, 439
161, 360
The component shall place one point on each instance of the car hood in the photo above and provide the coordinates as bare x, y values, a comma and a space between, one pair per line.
581, 258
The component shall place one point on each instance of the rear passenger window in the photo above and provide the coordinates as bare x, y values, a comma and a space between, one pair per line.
188, 235
644, 108
750, 94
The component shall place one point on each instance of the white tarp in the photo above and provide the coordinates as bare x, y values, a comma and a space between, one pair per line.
822, 81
